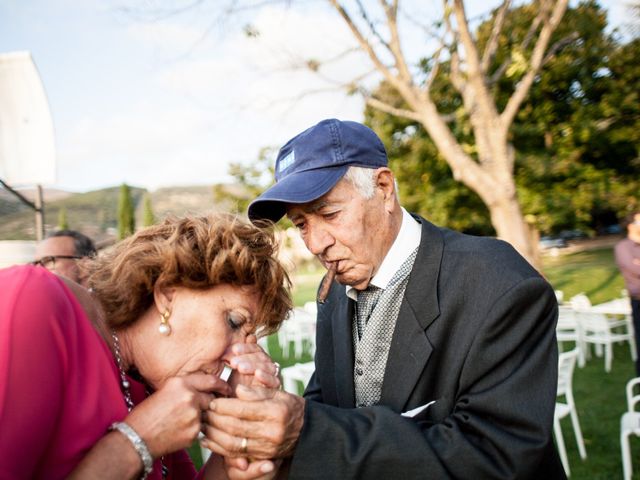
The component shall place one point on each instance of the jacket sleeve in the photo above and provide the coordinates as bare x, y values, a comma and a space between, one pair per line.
500, 423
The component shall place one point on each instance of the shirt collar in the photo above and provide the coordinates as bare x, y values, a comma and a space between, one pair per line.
405, 243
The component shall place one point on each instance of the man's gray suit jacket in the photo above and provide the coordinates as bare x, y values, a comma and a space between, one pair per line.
475, 335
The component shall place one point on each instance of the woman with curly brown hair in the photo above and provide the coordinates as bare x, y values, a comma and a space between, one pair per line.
113, 382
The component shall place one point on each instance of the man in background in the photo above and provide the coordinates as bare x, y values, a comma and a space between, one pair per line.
627, 253
61, 250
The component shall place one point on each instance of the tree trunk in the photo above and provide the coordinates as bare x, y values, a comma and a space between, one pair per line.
491, 178
506, 217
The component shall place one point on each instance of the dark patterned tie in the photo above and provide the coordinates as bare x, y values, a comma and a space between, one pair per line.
367, 300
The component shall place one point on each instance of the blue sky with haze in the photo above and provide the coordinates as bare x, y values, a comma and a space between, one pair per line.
170, 101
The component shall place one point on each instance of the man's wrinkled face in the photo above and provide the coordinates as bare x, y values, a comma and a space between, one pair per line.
348, 230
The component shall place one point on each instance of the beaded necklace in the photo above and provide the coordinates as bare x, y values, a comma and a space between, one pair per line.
126, 392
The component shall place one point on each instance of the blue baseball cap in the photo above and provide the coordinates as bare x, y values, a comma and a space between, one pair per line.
311, 163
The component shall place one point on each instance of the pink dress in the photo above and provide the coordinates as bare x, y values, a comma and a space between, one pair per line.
59, 388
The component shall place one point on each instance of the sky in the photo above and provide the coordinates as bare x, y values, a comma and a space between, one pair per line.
155, 98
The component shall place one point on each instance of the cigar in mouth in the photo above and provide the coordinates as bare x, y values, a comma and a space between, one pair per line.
326, 283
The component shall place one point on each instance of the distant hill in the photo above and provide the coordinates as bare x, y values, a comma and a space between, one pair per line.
95, 213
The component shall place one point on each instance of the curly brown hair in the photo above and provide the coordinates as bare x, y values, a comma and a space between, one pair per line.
196, 253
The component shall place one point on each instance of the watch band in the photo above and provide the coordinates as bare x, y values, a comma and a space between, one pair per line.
138, 444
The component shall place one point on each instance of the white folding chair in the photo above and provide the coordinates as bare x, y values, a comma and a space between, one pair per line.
300, 329
566, 366
629, 425
311, 307
580, 302
599, 330
296, 377
568, 330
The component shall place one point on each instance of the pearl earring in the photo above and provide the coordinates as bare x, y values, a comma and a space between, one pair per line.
164, 328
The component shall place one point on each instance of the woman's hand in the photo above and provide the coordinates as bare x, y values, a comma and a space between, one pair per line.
171, 418
242, 469
239, 469
252, 366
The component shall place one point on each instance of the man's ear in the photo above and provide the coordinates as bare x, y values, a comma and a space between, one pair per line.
385, 181
163, 297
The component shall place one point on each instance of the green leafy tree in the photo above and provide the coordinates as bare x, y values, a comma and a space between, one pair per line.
251, 179
63, 224
575, 137
148, 217
126, 218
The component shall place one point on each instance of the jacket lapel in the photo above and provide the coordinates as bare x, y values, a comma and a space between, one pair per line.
410, 348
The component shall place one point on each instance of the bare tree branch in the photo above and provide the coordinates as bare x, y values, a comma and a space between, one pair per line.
497, 75
537, 58
448, 117
481, 96
559, 45
391, 110
457, 79
492, 43
435, 68
364, 43
372, 27
396, 49
158, 14
428, 31
533, 28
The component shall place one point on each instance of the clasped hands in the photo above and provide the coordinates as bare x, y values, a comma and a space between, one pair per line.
247, 420
257, 424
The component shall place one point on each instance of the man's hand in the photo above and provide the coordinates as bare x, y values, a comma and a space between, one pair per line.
252, 366
268, 419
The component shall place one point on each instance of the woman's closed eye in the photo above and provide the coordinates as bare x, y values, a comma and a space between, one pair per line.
236, 320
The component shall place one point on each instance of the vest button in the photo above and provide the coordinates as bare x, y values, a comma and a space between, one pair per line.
359, 371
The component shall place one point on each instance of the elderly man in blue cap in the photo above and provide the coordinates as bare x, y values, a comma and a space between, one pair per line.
436, 351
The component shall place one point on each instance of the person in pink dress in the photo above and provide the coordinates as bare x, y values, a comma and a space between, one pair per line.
112, 382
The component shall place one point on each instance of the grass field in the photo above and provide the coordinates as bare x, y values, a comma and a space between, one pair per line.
593, 272
600, 401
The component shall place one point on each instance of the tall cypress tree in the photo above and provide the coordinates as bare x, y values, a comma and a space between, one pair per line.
148, 218
126, 219
63, 224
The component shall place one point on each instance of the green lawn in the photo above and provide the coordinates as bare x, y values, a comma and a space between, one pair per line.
599, 396
600, 401
593, 272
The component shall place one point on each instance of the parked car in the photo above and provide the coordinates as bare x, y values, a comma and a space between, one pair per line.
572, 234
610, 230
551, 242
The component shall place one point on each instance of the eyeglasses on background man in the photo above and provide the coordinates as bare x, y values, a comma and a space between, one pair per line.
60, 253
49, 262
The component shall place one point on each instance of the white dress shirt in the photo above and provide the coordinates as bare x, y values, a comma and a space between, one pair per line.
405, 243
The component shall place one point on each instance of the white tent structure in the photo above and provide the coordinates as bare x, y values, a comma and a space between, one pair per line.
27, 145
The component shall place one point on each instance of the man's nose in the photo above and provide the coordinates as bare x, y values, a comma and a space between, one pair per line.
318, 240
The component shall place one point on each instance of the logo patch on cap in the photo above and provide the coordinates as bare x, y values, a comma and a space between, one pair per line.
287, 161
